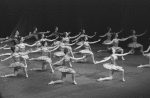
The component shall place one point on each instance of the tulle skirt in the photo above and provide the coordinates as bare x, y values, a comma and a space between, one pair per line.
85, 51
45, 58
110, 66
134, 45
147, 55
59, 54
16, 65
24, 55
65, 69
106, 42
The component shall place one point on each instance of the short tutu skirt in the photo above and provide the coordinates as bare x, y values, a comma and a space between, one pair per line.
106, 42
116, 48
24, 55
16, 65
65, 69
45, 58
85, 51
134, 45
59, 54
147, 55
110, 66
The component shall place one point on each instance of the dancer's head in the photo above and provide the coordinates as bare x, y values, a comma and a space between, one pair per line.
22, 39
83, 31
56, 29
133, 32
17, 33
116, 35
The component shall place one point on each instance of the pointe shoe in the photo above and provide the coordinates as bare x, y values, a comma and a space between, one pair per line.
123, 80
27, 76
140, 66
100, 79
123, 59
52, 82
74, 82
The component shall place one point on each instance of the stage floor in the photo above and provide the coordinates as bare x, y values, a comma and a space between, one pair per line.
137, 84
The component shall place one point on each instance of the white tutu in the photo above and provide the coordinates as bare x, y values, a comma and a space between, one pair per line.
148, 55
112, 67
45, 58
65, 69
59, 54
25, 57
16, 64
85, 51
134, 45
106, 42
117, 49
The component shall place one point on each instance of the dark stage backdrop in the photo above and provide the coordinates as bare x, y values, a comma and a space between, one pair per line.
74, 15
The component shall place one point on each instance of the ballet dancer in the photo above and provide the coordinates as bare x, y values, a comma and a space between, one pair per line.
46, 52
147, 55
134, 43
17, 62
87, 51
65, 67
115, 43
112, 66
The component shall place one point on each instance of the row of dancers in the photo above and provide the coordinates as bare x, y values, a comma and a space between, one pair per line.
65, 54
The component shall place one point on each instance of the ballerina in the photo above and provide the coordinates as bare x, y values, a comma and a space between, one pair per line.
108, 40
46, 51
87, 49
112, 67
62, 46
115, 43
64, 66
17, 62
56, 33
134, 43
67, 38
82, 37
147, 55
13, 39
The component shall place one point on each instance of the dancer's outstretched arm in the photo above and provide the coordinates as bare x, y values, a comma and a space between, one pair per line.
124, 39
124, 53
50, 40
78, 47
111, 42
54, 48
37, 50
71, 44
104, 60
30, 45
76, 59
103, 35
147, 49
58, 62
5, 54
141, 34
120, 31
94, 41
3, 46
7, 58
43, 32
92, 36
71, 37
